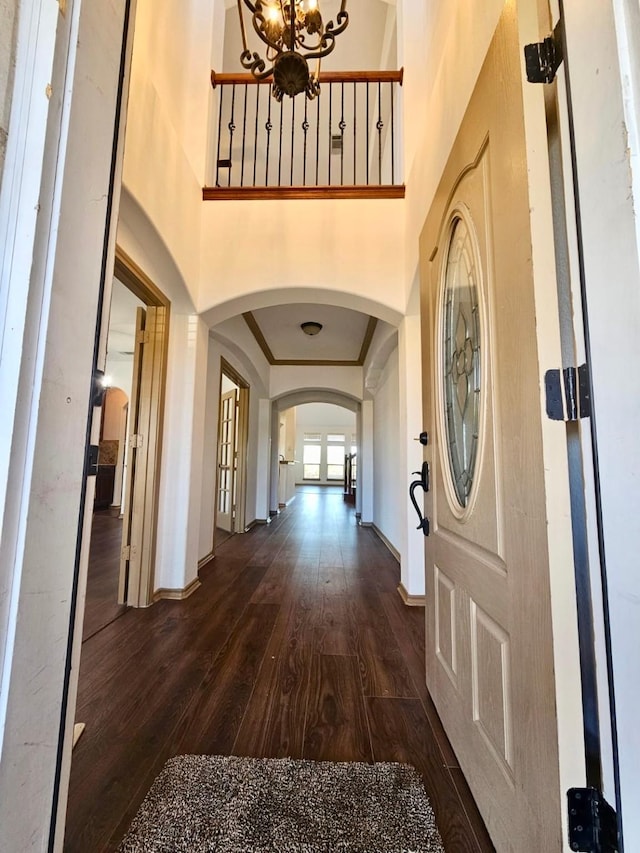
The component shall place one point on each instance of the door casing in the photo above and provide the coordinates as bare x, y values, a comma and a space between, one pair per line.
136, 586
242, 432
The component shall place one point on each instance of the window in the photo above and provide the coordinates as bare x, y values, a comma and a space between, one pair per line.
335, 456
311, 456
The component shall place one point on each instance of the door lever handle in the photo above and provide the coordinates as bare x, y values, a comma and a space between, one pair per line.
423, 483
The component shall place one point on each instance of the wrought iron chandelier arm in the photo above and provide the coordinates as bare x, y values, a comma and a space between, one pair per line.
342, 21
242, 28
254, 63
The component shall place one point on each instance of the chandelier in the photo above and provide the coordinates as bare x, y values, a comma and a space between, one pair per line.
294, 34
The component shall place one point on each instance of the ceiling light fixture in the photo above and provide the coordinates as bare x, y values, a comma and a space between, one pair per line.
294, 33
311, 328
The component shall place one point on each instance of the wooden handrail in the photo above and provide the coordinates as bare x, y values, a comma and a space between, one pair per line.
308, 193
325, 77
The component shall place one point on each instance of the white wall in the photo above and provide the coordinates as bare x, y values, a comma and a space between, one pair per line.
182, 442
345, 380
230, 255
167, 123
388, 480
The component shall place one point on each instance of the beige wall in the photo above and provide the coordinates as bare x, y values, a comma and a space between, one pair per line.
8, 36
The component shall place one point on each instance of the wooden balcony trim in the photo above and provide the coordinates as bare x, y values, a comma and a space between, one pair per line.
309, 193
325, 77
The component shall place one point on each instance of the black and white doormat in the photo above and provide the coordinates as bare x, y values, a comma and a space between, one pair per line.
255, 805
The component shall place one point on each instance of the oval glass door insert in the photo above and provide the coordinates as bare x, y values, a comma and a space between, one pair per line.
461, 360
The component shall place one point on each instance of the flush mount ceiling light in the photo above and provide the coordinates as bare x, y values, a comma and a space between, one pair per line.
311, 328
293, 33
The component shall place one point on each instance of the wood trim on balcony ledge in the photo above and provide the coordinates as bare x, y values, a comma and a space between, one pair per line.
310, 193
325, 77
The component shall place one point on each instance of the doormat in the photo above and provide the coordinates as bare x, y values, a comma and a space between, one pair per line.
257, 805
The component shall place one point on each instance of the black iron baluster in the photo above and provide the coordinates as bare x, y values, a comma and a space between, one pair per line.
368, 142
232, 127
318, 141
305, 128
379, 125
330, 122
342, 126
280, 148
293, 135
255, 134
393, 133
268, 127
219, 137
355, 128
244, 132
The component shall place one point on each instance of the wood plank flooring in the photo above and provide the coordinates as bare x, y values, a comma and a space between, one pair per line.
102, 580
296, 644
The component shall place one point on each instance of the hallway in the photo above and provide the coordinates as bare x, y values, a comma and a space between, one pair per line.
297, 644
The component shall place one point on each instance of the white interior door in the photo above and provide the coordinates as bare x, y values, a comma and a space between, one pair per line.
138, 542
490, 662
227, 461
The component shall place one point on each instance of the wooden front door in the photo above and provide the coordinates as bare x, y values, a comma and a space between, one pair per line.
490, 666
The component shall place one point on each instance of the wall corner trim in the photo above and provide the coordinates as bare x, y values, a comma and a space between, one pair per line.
177, 594
411, 600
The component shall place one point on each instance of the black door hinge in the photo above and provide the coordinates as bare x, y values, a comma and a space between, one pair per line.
568, 393
543, 58
91, 466
593, 827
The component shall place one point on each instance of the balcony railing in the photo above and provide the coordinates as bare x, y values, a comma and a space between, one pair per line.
343, 144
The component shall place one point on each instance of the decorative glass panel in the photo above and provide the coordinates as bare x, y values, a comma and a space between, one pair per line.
461, 360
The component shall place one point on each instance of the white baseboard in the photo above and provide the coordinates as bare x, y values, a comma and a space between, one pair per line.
177, 594
384, 539
204, 560
412, 600
77, 732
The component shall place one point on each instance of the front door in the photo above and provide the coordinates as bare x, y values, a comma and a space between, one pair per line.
490, 665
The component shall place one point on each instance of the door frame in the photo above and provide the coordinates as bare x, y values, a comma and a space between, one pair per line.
138, 282
600, 76
238, 523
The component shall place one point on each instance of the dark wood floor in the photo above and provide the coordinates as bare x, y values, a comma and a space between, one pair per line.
297, 644
102, 580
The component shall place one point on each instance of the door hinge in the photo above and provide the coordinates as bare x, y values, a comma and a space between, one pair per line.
543, 58
126, 552
143, 337
593, 827
136, 440
568, 393
92, 460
